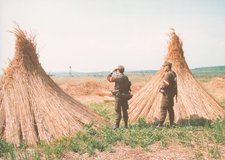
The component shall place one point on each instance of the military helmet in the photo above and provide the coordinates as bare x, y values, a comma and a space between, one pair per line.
121, 68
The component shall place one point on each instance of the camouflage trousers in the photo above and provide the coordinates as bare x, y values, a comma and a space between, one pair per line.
167, 105
121, 104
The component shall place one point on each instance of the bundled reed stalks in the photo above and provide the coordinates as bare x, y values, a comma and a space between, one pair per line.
193, 100
1, 112
33, 108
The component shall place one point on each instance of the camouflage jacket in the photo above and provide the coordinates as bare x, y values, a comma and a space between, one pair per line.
169, 84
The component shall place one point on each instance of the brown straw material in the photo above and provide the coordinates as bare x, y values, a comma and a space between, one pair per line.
32, 106
193, 100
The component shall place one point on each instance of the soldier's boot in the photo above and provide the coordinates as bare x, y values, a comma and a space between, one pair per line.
160, 125
118, 118
117, 125
126, 124
171, 116
172, 124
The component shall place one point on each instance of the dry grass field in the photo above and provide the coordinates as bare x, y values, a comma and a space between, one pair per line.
97, 89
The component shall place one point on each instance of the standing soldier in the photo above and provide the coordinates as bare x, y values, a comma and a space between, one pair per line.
168, 90
121, 93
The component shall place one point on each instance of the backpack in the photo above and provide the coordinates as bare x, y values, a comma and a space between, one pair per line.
124, 88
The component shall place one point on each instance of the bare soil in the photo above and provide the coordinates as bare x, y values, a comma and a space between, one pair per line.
154, 152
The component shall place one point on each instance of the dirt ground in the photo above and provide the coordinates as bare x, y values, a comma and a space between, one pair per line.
90, 90
123, 152
154, 152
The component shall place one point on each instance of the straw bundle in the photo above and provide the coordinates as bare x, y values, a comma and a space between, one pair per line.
33, 107
1, 112
193, 100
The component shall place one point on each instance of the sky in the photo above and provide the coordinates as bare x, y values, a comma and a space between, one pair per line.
99, 35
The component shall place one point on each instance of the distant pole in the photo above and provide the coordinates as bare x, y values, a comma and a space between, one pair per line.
70, 71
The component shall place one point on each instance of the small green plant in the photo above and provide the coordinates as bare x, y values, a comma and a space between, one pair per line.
89, 129
74, 145
7, 150
109, 135
163, 142
219, 131
141, 123
104, 109
60, 148
47, 149
36, 156
198, 155
23, 145
94, 144
214, 152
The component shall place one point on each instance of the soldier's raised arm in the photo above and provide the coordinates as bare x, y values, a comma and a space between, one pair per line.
110, 77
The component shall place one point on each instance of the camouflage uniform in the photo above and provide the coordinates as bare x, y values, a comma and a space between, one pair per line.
169, 90
122, 85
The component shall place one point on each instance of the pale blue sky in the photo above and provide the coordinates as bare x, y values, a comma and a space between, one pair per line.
97, 35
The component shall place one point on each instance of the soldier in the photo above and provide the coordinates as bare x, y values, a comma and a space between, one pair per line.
168, 90
121, 93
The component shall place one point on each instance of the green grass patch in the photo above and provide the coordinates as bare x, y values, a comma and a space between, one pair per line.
214, 70
214, 152
104, 109
7, 150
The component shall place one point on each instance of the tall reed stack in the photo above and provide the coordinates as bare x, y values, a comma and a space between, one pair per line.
33, 107
193, 100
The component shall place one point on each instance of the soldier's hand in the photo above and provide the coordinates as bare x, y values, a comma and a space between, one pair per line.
162, 91
115, 70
